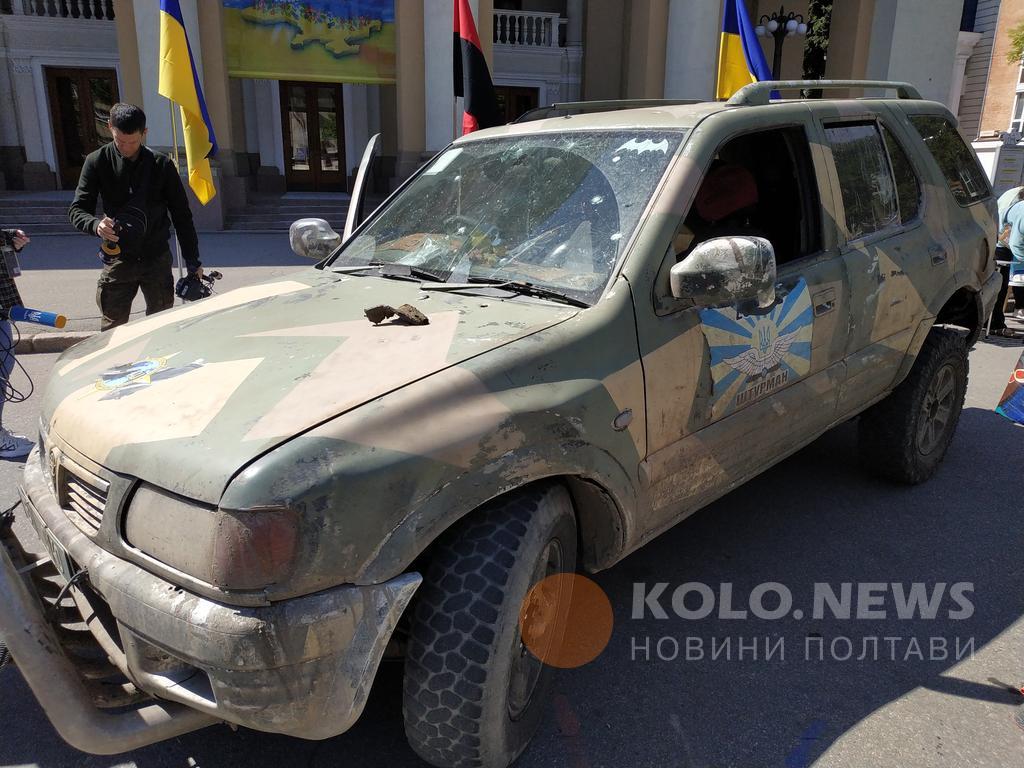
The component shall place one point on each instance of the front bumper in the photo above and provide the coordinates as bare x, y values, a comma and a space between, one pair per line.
301, 667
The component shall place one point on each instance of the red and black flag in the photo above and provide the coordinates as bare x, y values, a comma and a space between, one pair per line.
472, 78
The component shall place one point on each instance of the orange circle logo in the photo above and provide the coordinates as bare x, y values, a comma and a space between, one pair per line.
566, 620
1018, 375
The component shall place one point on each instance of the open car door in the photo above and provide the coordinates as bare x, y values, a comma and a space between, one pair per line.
355, 207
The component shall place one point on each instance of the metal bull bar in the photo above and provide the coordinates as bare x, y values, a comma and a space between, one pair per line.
60, 690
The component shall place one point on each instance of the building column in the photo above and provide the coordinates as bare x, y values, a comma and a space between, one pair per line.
896, 51
645, 53
850, 40
691, 55
128, 52
574, 24
439, 98
410, 89
266, 97
964, 48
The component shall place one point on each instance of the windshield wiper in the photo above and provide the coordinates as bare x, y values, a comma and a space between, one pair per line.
397, 271
516, 286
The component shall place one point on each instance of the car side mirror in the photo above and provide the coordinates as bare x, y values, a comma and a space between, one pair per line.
726, 272
313, 238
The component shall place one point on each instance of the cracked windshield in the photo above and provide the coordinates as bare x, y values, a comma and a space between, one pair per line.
552, 210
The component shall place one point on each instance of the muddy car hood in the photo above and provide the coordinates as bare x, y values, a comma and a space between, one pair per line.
186, 398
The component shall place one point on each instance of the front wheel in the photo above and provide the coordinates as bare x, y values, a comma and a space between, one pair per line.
473, 692
905, 436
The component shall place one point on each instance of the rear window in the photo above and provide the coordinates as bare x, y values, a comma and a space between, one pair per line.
966, 180
866, 183
907, 185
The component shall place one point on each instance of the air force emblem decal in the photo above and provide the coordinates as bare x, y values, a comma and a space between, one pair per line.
755, 355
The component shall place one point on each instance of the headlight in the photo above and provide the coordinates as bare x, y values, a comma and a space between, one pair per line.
249, 549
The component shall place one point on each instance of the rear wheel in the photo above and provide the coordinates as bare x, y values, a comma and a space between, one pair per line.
905, 437
473, 692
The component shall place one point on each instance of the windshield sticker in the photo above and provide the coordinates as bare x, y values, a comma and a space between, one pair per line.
647, 145
443, 162
753, 356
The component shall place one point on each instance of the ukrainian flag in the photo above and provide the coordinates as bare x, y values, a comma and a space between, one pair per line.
179, 82
740, 58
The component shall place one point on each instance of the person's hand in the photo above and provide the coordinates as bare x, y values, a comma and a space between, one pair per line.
199, 272
105, 230
20, 239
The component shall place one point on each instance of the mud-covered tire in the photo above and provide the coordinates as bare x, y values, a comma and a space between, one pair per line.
465, 655
5, 655
904, 437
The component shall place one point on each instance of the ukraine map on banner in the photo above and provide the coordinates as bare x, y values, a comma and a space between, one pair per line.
346, 41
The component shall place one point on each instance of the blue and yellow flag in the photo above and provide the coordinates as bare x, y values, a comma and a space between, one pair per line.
179, 82
740, 58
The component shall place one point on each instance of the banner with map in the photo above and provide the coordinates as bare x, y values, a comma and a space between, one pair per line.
338, 41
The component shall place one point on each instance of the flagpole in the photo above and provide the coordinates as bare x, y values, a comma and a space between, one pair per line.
177, 169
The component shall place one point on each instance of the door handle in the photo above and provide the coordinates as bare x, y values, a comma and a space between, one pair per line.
938, 253
824, 302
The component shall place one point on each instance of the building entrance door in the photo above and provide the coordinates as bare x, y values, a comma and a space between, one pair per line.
314, 137
80, 102
514, 101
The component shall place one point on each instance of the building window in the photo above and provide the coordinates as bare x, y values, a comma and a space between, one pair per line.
1017, 122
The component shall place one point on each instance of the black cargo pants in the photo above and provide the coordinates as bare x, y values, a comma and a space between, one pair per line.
122, 278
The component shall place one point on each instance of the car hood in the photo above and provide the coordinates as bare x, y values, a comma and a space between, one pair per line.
186, 398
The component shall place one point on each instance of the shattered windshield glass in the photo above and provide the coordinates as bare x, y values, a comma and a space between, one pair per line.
553, 210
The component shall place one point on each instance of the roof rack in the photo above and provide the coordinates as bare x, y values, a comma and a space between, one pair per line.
757, 94
567, 108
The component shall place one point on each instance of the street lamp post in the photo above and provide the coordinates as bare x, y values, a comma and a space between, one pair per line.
780, 26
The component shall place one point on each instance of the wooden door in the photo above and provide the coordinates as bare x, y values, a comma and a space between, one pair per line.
314, 137
514, 101
80, 102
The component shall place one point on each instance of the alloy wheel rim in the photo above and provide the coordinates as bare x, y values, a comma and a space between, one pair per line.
526, 667
936, 410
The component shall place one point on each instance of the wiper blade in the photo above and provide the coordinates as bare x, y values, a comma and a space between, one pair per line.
399, 271
516, 286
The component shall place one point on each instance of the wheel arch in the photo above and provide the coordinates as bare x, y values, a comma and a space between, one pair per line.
603, 503
963, 309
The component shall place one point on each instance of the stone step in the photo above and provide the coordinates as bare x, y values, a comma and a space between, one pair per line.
35, 230
23, 222
32, 210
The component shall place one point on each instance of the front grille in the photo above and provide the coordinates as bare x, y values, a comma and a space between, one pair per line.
82, 495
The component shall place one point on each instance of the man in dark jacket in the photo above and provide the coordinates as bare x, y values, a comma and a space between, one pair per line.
142, 194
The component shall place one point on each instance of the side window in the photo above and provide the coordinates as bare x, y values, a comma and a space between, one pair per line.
866, 183
759, 184
908, 188
966, 180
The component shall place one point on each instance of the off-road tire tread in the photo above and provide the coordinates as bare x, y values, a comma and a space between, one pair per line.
456, 611
887, 431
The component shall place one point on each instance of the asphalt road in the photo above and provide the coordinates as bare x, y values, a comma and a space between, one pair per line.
814, 518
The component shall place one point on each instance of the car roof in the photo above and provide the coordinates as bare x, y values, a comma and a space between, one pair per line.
665, 115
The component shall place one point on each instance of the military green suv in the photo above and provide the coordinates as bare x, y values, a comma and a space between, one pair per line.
558, 339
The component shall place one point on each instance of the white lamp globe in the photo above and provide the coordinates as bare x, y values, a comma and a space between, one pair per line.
759, 30
773, 25
791, 25
801, 29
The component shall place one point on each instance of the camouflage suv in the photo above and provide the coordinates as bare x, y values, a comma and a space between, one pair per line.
558, 339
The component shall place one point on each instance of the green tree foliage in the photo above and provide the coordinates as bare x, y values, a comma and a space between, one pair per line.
819, 23
1016, 45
